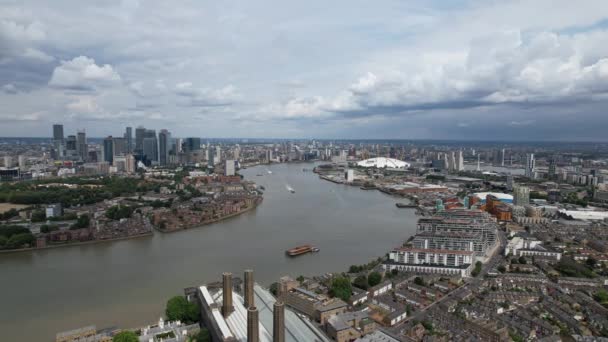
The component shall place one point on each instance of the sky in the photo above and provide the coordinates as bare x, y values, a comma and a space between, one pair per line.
469, 70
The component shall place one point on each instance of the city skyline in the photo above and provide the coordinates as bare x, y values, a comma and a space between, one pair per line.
403, 70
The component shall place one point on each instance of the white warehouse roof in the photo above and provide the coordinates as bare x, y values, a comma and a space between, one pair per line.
382, 162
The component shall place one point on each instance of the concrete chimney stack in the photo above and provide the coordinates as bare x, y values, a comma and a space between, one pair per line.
278, 322
253, 325
249, 289
227, 306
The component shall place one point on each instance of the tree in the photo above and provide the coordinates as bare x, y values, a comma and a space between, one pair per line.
502, 269
125, 336
20, 240
419, 281
38, 216
203, 336
374, 278
341, 288
601, 296
591, 262
47, 228
118, 212
83, 221
361, 282
522, 260
179, 308
3, 240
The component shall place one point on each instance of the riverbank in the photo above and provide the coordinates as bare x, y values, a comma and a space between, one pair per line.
199, 225
72, 244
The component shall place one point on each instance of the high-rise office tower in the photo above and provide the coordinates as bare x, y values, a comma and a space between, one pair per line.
57, 132
210, 159
81, 145
218, 154
140, 132
460, 162
129, 139
452, 161
502, 157
108, 149
530, 165
70, 145
229, 167
553, 167
164, 145
120, 146
521, 195
191, 144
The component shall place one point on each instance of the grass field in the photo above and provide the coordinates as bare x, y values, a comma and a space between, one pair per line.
8, 206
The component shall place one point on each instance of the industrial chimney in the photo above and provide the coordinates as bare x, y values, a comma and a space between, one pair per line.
253, 325
249, 289
278, 322
227, 306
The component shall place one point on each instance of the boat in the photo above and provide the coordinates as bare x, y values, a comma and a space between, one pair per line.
269, 172
262, 187
403, 205
290, 189
315, 249
259, 175
299, 250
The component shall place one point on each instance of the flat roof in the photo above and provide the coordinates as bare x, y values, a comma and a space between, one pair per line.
428, 250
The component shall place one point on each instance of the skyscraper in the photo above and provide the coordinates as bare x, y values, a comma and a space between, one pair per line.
70, 145
191, 144
120, 146
164, 145
218, 154
108, 149
57, 132
553, 167
129, 139
502, 157
139, 139
150, 145
81, 145
229, 168
460, 162
521, 195
530, 165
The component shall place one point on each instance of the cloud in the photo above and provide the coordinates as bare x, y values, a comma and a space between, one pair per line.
9, 89
81, 73
408, 68
206, 97
500, 69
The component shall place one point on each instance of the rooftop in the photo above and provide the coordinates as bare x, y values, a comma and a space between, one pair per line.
296, 328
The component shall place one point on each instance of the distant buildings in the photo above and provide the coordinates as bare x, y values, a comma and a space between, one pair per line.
382, 162
521, 195
54, 210
108, 150
81, 146
229, 167
530, 165
164, 141
129, 139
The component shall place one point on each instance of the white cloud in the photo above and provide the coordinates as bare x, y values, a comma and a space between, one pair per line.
81, 73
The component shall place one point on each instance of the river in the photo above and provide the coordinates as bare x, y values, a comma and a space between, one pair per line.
127, 283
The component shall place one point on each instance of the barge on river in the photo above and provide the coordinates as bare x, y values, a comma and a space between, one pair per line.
301, 250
